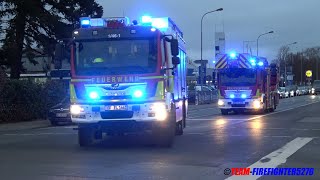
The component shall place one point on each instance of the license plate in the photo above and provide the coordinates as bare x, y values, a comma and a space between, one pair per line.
61, 114
116, 107
238, 103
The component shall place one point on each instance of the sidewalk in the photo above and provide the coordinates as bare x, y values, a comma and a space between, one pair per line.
24, 125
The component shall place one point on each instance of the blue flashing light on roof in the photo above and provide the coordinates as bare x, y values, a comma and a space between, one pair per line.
253, 62
146, 19
85, 21
232, 96
97, 22
260, 63
160, 23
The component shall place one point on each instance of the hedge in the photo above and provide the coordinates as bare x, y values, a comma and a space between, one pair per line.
24, 100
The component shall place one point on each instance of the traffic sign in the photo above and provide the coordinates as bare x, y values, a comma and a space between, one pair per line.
309, 73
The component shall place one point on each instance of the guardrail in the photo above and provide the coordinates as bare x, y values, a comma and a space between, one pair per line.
202, 97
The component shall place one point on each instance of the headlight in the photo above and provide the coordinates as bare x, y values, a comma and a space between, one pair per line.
256, 104
160, 111
76, 109
220, 102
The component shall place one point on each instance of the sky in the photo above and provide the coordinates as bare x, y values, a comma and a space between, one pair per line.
241, 20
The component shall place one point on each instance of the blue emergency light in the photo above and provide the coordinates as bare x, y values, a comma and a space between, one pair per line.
260, 63
253, 62
233, 55
146, 19
159, 23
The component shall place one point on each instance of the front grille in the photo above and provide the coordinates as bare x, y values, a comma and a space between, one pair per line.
116, 114
116, 97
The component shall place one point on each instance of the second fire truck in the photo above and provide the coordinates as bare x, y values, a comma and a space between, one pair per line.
246, 83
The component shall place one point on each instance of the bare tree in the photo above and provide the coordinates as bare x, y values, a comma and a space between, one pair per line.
312, 55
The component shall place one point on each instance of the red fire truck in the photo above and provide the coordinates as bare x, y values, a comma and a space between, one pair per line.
127, 77
246, 83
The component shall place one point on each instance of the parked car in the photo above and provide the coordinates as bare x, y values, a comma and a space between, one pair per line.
60, 113
302, 90
316, 87
292, 90
283, 93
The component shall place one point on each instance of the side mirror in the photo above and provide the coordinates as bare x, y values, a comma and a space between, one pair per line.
174, 47
58, 56
175, 60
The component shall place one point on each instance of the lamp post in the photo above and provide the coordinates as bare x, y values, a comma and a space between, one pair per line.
285, 65
202, 64
270, 32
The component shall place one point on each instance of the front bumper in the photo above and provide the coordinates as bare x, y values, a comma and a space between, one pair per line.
147, 112
245, 104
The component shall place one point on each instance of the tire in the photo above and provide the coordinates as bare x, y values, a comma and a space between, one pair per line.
224, 111
85, 136
184, 114
179, 128
164, 136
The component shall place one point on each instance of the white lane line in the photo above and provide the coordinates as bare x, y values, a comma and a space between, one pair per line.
277, 157
212, 119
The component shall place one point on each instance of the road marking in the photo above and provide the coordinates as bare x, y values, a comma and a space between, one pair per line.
277, 157
211, 119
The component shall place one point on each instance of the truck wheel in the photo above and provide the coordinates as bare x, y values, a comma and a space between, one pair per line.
85, 136
184, 114
179, 128
224, 112
164, 136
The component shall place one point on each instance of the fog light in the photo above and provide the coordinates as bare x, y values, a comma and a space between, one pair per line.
256, 104
76, 109
220, 102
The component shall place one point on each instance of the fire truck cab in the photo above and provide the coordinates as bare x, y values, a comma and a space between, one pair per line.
128, 77
246, 83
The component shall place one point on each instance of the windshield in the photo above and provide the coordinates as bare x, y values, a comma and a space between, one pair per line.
115, 57
238, 77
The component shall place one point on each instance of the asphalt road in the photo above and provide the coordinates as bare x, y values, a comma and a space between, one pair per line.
288, 137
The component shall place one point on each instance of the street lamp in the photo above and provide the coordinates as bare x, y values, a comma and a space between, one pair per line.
285, 65
270, 32
201, 74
